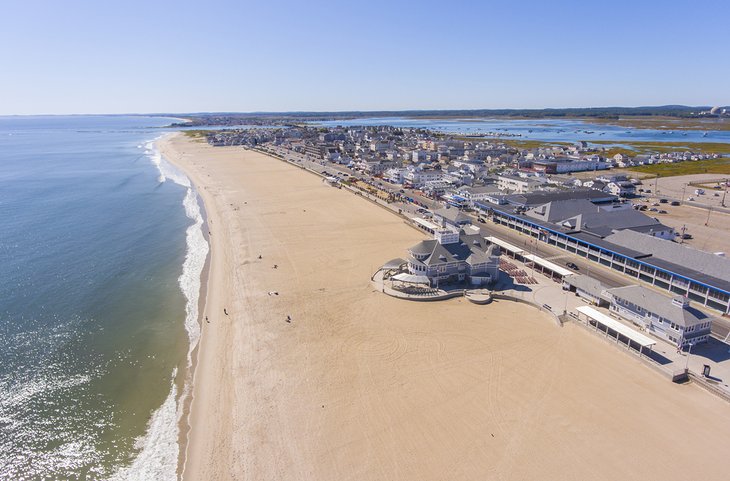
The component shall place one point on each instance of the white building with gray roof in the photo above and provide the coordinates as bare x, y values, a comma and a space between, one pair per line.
673, 320
454, 257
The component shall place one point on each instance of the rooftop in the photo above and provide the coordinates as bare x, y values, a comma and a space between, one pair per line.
676, 254
660, 305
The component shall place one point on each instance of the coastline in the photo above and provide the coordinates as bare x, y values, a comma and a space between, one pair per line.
209, 282
360, 386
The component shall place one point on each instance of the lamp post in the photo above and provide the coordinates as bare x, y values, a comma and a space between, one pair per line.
689, 352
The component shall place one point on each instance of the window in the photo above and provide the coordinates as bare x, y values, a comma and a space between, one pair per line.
662, 275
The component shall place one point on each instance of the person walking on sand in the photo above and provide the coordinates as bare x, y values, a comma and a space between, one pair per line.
288, 319
224, 311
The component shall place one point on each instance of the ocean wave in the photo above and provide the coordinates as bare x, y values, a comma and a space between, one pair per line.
158, 448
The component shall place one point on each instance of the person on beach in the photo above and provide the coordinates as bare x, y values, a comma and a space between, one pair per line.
288, 319
224, 311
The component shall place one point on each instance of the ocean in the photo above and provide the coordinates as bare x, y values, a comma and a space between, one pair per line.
101, 254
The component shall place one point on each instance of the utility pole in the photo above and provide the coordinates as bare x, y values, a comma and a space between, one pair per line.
684, 229
709, 211
724, 193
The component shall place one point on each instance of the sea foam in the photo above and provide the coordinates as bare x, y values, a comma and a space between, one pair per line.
158, 448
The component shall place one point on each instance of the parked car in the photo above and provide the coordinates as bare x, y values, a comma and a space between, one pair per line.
571, 265
663, 201
662, 212
675, 203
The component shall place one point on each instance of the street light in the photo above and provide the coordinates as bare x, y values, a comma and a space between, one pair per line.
689, 352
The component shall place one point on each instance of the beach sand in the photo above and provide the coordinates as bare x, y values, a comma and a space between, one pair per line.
361, 386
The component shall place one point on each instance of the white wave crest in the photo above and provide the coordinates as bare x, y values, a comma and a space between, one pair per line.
157, 458
159, 449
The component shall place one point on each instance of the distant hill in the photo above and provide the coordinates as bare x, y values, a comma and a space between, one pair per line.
230, 118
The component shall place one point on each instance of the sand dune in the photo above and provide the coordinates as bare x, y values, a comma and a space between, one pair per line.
361, 386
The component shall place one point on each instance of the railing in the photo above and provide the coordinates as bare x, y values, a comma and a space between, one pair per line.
704, 383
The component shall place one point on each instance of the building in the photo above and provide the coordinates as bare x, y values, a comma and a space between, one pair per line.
581, 215
451, 217
519, 185
701, 276
536, 198
588, 288
418, 177
673, 320
455, 257
476, 194
622, 188
562, 166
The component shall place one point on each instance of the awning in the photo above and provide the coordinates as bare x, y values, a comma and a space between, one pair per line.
505, 245
428, 225
614, 325
405, 277
562, 271
394, 263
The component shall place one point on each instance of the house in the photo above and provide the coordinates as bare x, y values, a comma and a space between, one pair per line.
454, 257
622, 188
394, 175
673, 320
419, 177
477, 194
519, 185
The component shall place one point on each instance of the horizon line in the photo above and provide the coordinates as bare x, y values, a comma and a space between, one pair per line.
322, 112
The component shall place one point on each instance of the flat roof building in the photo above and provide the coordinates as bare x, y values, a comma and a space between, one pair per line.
700, 276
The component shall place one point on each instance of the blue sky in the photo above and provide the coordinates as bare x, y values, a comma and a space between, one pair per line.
158, 56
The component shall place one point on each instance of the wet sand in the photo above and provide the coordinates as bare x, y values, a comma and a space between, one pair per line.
362, 386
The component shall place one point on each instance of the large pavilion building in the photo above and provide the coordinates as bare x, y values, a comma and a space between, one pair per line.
455, 257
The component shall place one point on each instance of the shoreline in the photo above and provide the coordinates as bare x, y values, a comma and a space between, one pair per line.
184, 421
359, 386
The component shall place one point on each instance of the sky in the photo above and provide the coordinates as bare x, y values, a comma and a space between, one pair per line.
62, 57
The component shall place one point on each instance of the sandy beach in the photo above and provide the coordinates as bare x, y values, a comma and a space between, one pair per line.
361, 386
